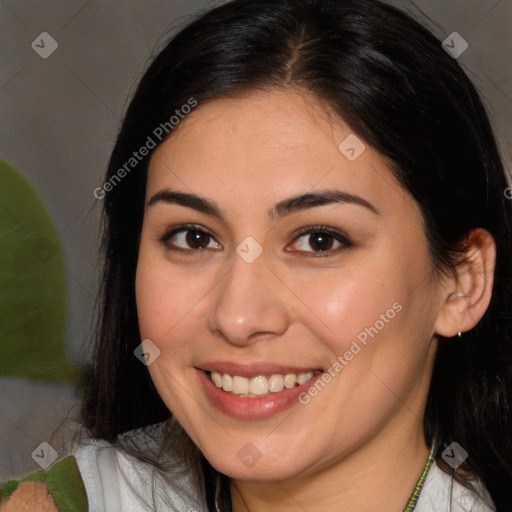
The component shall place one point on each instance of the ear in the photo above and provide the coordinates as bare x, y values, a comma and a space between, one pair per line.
467, 293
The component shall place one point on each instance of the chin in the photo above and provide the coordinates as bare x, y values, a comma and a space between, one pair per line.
250, 463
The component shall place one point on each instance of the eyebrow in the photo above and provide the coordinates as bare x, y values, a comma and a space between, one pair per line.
281, 209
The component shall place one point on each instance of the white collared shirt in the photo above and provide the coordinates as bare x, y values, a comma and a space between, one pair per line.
115, 482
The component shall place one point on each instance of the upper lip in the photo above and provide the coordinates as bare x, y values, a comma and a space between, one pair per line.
252, 370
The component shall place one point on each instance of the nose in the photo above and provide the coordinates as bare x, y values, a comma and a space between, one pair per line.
249, 304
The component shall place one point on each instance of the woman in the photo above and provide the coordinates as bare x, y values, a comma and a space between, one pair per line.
306, 300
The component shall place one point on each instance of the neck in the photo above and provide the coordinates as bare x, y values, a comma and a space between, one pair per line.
377, 476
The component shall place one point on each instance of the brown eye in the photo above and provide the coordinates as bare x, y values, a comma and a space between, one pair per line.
321, 241
317, 239
189, 239
197, 239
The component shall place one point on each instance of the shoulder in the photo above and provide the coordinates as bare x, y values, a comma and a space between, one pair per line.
115, 480
442, 493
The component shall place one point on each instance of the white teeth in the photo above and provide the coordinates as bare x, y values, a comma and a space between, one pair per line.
289, 380
276, 383
227, 382
259, 385
217, 379
240, 385
304, 377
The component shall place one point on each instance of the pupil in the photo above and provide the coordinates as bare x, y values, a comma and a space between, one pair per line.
321, 241
197, 239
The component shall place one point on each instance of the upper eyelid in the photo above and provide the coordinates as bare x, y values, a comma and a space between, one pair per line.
319, 229
300, 232
186, 227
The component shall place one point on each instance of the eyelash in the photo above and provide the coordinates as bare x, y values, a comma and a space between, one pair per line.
340, 237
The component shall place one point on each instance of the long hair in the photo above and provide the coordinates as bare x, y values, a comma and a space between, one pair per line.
390, 79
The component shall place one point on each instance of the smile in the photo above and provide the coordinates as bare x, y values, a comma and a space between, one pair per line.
257, 391
260, 385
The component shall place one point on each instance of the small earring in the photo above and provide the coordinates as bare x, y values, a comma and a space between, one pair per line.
459, 334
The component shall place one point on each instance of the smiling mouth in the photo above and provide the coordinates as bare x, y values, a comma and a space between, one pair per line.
260, 385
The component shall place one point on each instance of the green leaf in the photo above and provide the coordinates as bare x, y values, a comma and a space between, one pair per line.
63, 481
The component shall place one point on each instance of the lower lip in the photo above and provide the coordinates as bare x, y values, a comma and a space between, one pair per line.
252, 408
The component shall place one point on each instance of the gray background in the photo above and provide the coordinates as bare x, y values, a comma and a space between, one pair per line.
59, 117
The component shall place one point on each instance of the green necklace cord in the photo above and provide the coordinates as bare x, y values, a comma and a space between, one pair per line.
413, 499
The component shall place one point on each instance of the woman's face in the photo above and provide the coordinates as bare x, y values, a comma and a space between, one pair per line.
283, 261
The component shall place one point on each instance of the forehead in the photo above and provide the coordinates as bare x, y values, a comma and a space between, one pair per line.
267, 144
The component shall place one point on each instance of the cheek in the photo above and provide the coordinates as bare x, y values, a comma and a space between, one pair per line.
168, 307
354, 298
169, 300
152, 297
376, 310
